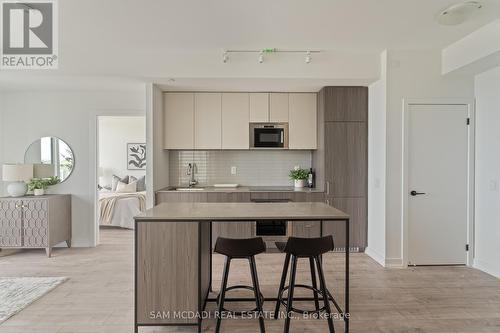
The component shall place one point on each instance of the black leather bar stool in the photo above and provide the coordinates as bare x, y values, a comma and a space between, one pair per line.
312, 249
240, 249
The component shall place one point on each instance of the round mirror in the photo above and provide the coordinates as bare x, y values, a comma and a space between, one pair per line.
51, 157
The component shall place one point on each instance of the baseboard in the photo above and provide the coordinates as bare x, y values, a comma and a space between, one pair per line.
486, 267
375, 256
394, 263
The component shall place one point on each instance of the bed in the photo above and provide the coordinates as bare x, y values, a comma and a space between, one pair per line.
119, 209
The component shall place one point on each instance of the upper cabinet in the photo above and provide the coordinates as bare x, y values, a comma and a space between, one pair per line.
207, 121
278, 107
259, 107
178, 120
302, 121
214, 120
346, 103
235, 121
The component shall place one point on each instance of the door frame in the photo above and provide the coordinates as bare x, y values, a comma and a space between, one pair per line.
470, 164
94, 158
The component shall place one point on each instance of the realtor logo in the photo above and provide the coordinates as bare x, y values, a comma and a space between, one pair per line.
29, 39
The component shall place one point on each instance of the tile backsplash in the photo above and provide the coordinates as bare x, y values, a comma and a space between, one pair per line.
254, 167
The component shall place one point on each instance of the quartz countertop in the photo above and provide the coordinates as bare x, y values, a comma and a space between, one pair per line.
243, 189
241, 211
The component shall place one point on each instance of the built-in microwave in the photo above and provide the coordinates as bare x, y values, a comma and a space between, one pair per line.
269, 135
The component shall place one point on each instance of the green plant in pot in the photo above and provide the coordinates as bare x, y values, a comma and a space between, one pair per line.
299, 176
38, 185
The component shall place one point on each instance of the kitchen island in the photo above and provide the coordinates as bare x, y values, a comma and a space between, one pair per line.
173, 255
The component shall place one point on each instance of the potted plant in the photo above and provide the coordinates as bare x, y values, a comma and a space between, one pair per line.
38, 185
299, 176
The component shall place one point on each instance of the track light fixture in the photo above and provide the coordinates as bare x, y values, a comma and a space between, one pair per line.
308, 57
261, 52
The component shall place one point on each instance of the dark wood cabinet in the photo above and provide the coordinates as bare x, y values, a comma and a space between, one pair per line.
346, 103
357, 210
342, 159
346, 159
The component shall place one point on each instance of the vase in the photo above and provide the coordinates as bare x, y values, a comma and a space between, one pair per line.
39, 191
299, 183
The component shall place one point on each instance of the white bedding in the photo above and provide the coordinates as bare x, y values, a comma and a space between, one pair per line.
124, 211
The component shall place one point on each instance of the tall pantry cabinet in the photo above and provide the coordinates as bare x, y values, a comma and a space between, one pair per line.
342, 159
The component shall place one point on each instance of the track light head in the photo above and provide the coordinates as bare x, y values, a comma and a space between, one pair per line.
308, 57
261, 57
225, 57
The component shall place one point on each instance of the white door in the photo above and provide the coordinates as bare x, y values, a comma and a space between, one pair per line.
437, 184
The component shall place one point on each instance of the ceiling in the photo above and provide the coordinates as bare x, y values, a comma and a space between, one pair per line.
157, 39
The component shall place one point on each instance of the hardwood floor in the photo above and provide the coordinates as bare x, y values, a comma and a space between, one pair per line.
99, 295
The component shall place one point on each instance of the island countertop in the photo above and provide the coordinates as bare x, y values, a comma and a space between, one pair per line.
249, 211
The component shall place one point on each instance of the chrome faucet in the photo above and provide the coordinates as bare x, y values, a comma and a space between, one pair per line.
192, 169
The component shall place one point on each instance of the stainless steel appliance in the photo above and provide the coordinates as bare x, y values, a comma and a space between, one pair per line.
269, 135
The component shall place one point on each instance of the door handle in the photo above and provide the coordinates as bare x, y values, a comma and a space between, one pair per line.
415, 193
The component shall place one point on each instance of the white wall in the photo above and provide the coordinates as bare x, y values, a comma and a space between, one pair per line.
114, 134
72, 117
157, 157
487, 211
411, 74
377, 108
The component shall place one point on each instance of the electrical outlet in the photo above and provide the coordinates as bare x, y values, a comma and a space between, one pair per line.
234, 170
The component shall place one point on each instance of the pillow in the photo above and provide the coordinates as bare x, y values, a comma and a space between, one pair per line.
141, 183
116, 179
121, 187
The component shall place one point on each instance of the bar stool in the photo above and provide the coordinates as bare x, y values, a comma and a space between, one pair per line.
311, 248
240, 249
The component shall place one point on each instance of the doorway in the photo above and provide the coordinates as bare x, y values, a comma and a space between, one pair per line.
121, 171
438, 182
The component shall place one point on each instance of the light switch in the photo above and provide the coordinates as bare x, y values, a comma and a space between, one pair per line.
234, 170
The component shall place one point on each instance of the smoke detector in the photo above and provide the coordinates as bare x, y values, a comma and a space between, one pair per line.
459, 13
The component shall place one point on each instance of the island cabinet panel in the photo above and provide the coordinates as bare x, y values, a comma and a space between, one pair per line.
166, 271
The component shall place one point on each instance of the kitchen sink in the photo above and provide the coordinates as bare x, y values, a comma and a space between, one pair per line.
187, 189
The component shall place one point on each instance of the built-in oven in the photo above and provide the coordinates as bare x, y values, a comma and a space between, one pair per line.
272, 230
269, 135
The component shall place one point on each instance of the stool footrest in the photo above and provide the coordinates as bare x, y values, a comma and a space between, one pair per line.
240, 313
301, 311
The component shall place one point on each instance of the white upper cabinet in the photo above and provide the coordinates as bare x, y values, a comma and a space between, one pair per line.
278, 107
207, 121
302, 121
259, 107
235, 121
178, 120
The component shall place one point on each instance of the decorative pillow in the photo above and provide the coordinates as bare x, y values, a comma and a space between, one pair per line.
116, 179
126, 188
141, 183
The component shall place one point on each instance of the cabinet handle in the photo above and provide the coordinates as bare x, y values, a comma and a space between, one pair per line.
328, 188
